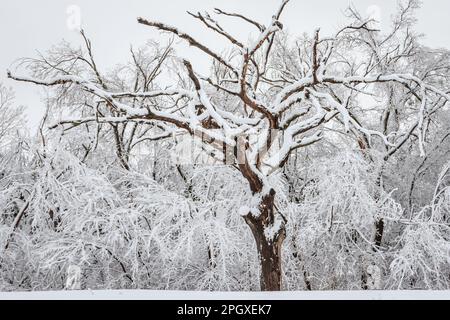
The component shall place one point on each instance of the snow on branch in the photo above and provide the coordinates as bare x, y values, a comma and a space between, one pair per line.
188, 38
240, 16
131, 112
213, 25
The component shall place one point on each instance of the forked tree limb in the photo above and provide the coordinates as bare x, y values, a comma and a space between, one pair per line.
189, 39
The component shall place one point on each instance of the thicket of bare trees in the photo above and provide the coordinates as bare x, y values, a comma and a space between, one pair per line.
334, 149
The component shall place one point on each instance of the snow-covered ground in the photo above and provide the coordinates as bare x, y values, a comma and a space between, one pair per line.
183, 295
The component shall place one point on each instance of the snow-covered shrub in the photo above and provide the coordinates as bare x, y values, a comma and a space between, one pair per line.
197, 234
125, 230
423, 259
331, 231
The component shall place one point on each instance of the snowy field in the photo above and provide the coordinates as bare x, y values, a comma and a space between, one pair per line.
184, 295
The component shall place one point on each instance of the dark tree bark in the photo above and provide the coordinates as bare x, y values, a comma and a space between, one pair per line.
379, 231
269, 250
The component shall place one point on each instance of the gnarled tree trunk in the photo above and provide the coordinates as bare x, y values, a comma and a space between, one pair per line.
268, 245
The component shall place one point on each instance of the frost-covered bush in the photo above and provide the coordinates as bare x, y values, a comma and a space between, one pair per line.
125, 230
423, 259
330, 244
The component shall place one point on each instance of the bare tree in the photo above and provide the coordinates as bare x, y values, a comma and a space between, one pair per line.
253, 113
11, 117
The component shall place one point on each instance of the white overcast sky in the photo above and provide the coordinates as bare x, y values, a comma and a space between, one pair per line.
27, 26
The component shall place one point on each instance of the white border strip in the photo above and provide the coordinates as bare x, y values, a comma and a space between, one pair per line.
199, 295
